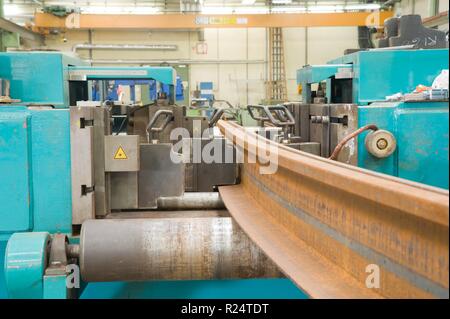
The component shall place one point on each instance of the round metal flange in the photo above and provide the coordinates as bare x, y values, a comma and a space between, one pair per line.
25, 262
380, 143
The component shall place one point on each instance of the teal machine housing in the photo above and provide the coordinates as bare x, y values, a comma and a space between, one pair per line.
35, 169
35, 144
35, 148
39, 78
421, 129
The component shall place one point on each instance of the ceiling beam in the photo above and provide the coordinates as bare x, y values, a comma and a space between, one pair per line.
45, 21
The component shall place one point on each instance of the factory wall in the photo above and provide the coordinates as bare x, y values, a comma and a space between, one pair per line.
426, 8
235, 57
422, 7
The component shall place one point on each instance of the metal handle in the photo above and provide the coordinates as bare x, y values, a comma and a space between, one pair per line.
283, 115
217, 114
250, 109
150, 127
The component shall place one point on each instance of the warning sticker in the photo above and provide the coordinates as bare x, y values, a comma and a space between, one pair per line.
120, 154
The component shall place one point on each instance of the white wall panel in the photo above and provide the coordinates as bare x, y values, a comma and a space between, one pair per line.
257, 48
443, 5
232, 44
295, 57
326, 43
232, 84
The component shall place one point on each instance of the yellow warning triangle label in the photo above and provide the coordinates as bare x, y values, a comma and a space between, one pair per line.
120, 154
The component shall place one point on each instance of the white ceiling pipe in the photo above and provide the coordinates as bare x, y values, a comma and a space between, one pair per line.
152, 47
158, 62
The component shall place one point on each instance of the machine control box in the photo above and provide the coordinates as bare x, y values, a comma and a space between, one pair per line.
122, 153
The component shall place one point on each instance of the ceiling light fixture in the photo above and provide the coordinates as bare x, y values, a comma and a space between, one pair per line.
281, 1
119, 10
12, 10
288, 9
365, 6
235, 10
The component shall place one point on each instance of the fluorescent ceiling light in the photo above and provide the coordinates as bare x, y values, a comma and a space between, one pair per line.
325, 9
288, 10
365, 6
340, 8
12, 10
252, 10
119, 10
235, 10
281, 1
248, 2
217, 10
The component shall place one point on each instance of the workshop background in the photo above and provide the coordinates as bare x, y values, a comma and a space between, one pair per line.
233, 59
354, 93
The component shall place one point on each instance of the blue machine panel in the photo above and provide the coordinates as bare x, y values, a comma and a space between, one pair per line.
383, 114
378, 74
38, 77
421, 130
55, 287
206, 90
15, 211
166, 75
401, 68
196, 289
52, 184
422, 136
35, 170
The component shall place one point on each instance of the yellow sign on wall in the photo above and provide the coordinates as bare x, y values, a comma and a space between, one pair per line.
120, 154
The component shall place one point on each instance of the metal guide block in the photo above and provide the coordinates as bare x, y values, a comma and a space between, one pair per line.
82, 164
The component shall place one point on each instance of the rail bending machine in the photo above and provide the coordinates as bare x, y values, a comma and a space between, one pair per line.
95, 188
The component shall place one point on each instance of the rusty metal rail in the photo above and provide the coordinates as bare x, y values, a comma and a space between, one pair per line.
340, 231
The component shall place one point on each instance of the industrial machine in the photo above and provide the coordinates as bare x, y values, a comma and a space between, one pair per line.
370, 92
83, 194
106, 198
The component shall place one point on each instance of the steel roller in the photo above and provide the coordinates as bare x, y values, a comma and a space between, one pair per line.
169, 249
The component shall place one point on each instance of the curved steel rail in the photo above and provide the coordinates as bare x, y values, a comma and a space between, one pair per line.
340, 231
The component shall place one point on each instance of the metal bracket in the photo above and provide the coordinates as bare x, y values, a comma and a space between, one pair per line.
82, 168
58, 255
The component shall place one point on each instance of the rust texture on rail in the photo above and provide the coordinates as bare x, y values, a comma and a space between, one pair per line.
330, 227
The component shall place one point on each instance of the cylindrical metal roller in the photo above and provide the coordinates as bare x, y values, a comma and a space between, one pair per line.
169, 249
191, 201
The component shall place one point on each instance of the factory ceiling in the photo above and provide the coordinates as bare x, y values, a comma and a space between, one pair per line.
24, 9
